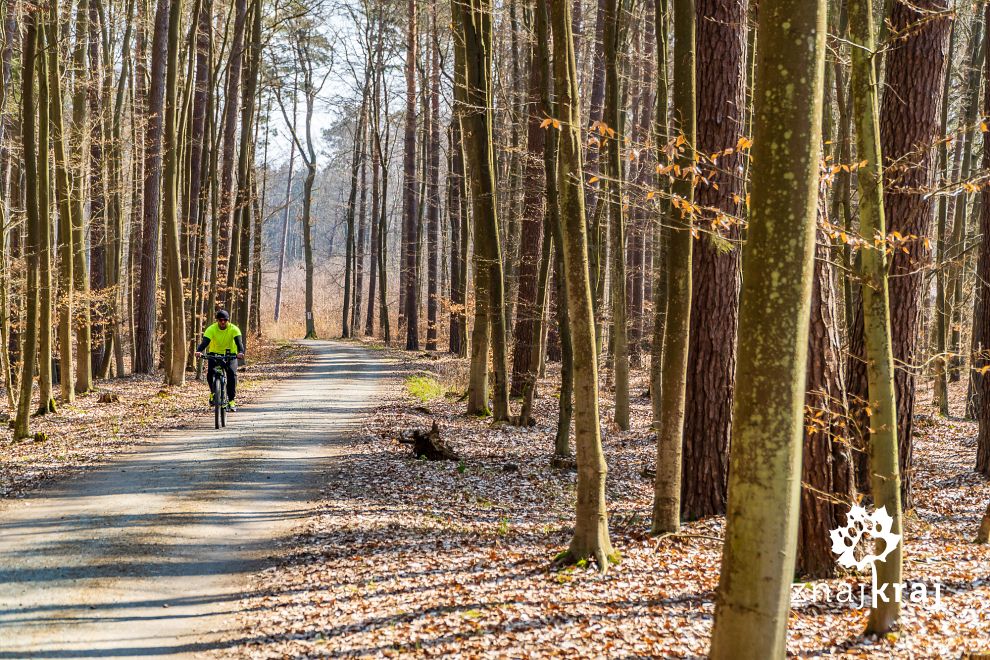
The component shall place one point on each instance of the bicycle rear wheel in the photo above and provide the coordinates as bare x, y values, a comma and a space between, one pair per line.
217, 403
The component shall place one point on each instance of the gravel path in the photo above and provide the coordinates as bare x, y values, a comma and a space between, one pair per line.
148, 555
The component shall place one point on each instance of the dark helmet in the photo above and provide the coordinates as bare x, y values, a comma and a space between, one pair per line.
222, 315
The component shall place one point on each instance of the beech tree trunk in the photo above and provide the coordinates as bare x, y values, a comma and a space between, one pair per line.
591, 539
879, 353
669, 401
474, 22
762, 512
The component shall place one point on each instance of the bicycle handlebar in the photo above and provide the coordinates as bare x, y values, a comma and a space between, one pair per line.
220, 356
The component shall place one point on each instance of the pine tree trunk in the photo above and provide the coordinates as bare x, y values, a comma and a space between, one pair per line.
915, 67
721, 43
762, 511
826, 474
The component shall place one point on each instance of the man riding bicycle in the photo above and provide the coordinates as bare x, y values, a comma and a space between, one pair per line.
219, 338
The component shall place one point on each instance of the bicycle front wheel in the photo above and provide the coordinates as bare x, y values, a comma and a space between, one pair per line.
217, 403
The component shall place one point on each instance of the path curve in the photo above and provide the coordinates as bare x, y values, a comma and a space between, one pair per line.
149, 554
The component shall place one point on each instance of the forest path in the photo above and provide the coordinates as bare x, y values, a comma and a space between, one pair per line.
149, 554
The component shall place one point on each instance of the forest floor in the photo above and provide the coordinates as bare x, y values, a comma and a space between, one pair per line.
408, 557
123, 411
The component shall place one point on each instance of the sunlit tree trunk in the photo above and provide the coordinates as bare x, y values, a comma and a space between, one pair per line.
474, 24
878, 347
590, 539
29, 335
669, 414
765, 464
66, 248
80, 269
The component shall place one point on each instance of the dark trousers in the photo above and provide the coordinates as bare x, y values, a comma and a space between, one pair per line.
231, 369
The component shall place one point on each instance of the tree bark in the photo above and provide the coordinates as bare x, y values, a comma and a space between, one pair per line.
30, 313
591, 539
826, 473
915, 67
669, 401
721, 44
876, 311
410, 194
148, 291
762, 512
475, 26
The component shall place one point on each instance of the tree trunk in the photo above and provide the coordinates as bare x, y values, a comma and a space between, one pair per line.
66, 247
433, 197
941, 311
762, 512
826, 474
524, 330
981, 318
878, 347
614, 138
721, 44
591, 539
475, 26
231, 106
669, 401
30, 160
46, 403
175, 361
80, 270
148, 292
410, 196
908, 129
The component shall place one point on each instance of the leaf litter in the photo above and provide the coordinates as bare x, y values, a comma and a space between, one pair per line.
406, 557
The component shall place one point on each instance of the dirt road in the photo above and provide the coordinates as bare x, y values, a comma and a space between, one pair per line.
149, 555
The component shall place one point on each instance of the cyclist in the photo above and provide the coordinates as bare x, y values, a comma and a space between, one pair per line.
221, 337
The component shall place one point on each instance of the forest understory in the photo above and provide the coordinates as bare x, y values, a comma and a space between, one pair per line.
124, 411
411, 557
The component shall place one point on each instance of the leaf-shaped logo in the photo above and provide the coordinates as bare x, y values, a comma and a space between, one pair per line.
861, 524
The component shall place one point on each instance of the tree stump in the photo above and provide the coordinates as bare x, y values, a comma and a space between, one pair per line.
428, 444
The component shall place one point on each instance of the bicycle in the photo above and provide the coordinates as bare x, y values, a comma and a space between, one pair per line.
220, 402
